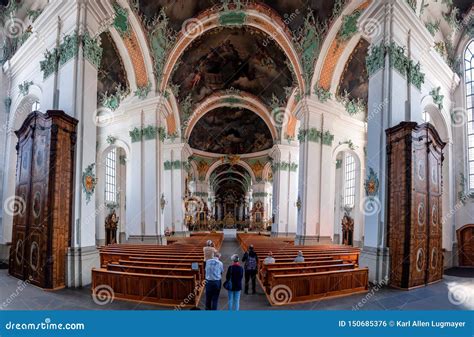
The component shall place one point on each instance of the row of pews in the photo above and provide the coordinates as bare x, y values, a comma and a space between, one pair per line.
328, 270
171, 275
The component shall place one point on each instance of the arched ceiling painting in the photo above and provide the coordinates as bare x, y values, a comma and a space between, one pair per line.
355, 80
239, 58
230, 130
178, 11
111, 73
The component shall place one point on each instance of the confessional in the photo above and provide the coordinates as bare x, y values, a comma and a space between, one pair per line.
44, 190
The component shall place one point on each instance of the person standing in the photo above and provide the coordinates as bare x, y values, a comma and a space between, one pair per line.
209, 250
251, 264
214, 270
233, 278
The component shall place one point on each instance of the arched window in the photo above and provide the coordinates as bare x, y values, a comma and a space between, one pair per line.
36, 106
111, 177
469, 66
349, 180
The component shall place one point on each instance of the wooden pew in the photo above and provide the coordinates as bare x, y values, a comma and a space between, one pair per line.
166, 290
301, 288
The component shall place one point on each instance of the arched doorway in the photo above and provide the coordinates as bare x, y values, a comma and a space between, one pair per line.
465, 237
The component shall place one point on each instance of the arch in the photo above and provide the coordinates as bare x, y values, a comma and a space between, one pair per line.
332, 49
242, 100
258, 16
438, 118
242, 163
21, 106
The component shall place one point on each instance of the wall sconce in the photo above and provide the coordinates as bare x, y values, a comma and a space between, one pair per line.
298, 203
163, 202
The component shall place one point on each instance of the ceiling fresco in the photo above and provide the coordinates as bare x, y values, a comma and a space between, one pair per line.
178, 11
355, 79
111, 71
237, 58
231, 131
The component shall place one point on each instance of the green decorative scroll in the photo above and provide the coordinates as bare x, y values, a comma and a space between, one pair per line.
338, 163
92, 49
284, 166
349, 26
352, 106
25, 87
260, 194
349, 143
121, 23
162, 39
149, 132
69, 48
112, 101
143, 91
322, 94
437, 97
201, 194
327, 138
33, 14
397, 60
308, 42
311, 135
50, 63
375, 59
433, 26
111, 139
174, 165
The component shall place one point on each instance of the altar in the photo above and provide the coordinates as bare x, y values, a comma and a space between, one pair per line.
230, 233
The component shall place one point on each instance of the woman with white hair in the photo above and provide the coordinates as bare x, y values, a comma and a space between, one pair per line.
209, 251
233, 283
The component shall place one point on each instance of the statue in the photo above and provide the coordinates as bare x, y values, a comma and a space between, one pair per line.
111, 225
347, 230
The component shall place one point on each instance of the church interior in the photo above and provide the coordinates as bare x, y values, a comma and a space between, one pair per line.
135, 131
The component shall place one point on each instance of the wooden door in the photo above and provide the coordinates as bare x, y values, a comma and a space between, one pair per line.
466, 246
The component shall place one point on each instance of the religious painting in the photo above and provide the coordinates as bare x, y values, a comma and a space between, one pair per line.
355, 79
231, 131
233, 58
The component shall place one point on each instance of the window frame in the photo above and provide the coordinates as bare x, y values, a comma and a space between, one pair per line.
470, 114
110, 188
349, 182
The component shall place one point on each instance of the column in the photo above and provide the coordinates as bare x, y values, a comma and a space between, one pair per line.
175, 157
285, 189
394, 96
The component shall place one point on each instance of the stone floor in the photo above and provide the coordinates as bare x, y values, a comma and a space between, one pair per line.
452, 293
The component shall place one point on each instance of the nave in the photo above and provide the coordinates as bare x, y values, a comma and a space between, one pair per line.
20, 295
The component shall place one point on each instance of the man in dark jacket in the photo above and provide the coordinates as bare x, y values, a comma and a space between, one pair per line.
251, 266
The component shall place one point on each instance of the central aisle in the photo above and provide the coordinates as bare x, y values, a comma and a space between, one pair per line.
229, 247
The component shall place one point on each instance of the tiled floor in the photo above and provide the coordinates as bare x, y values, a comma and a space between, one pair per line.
454, 293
